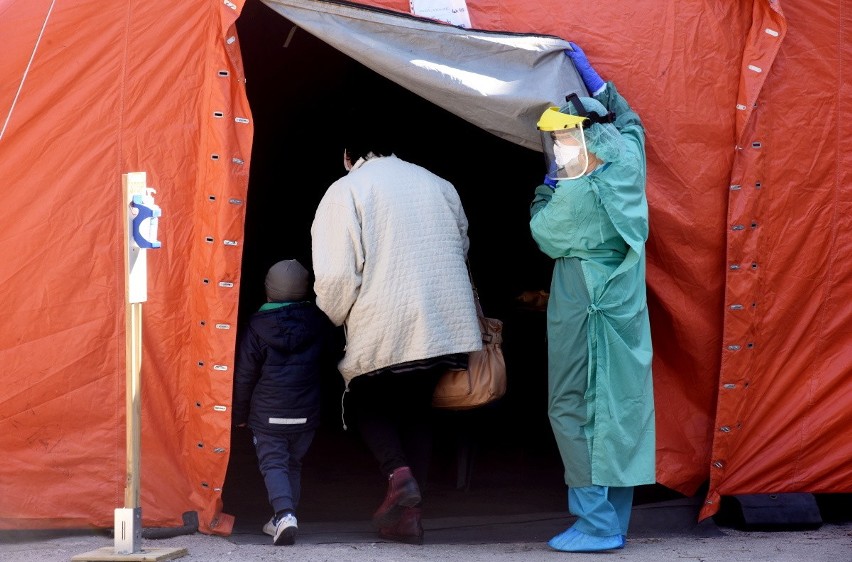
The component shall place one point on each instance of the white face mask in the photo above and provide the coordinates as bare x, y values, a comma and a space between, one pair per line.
566, 153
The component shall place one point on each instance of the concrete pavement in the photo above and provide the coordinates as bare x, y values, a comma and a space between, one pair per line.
659, 533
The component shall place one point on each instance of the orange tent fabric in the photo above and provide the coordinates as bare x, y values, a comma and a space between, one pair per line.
746, 107
92, 91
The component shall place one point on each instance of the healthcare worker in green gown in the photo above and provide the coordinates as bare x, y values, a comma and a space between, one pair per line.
591, 217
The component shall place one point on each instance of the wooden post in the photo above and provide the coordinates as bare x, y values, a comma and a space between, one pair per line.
128, 520
136, 292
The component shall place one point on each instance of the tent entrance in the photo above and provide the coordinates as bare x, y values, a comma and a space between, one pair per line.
294, 84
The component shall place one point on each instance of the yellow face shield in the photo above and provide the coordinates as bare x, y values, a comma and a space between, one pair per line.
563, 144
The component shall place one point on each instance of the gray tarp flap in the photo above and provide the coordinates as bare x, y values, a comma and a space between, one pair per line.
499, 82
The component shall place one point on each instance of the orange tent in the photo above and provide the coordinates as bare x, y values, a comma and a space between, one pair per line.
749, 161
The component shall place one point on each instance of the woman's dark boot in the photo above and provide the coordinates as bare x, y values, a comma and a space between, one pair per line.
403, 491
408, 529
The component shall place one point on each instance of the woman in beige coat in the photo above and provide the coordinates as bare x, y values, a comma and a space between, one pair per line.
389, 244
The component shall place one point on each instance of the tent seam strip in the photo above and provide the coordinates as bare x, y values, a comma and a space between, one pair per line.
27, 69
820, 339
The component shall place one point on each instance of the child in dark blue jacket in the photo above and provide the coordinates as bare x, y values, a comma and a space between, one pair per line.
277, 388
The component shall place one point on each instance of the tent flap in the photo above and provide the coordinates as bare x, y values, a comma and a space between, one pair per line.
500, 82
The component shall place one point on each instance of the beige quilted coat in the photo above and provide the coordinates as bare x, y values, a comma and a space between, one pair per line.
389, 242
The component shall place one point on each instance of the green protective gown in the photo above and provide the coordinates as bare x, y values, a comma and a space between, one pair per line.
601, 401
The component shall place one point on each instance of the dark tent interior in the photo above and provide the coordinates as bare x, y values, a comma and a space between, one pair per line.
296, 86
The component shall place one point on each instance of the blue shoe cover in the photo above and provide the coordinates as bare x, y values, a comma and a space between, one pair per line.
573, 540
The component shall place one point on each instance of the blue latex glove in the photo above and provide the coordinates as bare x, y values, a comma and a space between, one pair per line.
550, 182
594, 83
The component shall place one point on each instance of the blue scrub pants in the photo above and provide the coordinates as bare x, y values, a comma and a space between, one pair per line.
280, 460
601, 511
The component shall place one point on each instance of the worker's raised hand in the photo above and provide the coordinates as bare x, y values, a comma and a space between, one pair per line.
549, 182
594, 83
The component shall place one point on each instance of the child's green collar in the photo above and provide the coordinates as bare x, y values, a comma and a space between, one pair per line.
273, 306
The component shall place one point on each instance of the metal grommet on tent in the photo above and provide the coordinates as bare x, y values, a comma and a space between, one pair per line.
223, 73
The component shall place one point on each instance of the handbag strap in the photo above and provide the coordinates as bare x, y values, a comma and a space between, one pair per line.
476, 302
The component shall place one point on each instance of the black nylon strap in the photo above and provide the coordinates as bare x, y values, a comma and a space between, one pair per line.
591, 118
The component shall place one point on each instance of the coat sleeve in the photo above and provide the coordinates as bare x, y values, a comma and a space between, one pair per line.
626, 120
247, 371
543, 195
554, 219
337, 253
461, 218
623, 193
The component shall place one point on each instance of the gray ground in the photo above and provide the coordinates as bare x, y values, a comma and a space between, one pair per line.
658, 533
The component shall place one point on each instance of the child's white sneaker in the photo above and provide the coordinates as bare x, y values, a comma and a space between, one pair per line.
269, 527
283, 531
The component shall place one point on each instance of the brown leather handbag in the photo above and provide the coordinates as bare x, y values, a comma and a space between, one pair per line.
484, 380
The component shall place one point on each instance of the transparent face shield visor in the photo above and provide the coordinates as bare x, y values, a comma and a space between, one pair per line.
565, 154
